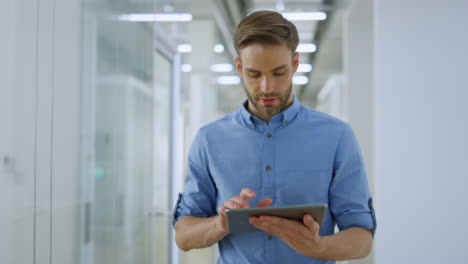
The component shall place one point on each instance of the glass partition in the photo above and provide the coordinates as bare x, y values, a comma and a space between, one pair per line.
123, 168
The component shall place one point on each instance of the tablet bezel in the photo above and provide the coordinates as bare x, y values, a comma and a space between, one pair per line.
238, 219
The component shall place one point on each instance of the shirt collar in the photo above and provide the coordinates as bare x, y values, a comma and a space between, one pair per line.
285, 116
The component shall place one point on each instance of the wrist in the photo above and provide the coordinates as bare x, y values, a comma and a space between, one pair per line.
321, 248
220, 229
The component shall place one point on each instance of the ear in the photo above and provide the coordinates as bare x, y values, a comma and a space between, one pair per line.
238, 66
295, 62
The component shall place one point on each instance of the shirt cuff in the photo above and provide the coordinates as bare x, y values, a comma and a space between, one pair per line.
175, 215
181, 209
362, 220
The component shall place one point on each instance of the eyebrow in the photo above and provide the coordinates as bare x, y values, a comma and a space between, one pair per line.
275, 69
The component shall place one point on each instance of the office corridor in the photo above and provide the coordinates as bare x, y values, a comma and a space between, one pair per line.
100, 101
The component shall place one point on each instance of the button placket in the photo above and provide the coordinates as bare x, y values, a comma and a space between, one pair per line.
268, 159
268, 163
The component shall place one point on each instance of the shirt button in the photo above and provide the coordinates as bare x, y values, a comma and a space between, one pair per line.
270, 237
268, 135
268, 168
285, 122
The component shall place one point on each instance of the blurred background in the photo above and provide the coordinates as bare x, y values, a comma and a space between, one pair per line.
100, 100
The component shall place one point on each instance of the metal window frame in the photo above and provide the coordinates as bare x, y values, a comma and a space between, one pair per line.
167, 47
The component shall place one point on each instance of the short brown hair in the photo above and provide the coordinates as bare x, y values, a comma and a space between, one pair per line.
266, 27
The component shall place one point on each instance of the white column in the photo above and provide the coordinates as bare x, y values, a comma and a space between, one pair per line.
66, 133
421, 128
202, 102
202, 90
358, 72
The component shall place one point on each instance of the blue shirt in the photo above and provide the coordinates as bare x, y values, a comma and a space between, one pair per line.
313, 158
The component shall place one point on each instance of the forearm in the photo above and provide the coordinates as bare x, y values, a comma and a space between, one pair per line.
353, 243
197, 232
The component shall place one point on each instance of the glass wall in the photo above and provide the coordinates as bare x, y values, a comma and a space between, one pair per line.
126, 109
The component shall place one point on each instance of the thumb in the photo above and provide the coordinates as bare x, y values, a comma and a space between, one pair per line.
223, 220
264, 203
309, 222
222, 210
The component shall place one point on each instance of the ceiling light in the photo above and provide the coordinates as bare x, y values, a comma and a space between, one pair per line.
218, 48
300, 80
304, 67
186, 67
153, 17
226, 80
296, 16
184, 48
306, 48
222, 67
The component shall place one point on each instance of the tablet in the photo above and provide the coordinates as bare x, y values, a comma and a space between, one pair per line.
238, 219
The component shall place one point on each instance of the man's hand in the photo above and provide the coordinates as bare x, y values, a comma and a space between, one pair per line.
302, 237
239, 201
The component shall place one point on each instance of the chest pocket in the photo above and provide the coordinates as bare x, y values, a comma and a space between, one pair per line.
232, 177
303, 186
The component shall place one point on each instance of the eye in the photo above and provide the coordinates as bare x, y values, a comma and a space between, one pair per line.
253, 75
279, 73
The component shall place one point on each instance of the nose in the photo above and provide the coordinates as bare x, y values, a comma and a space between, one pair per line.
266, 85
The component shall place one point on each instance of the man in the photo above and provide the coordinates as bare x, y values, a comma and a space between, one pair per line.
275, 151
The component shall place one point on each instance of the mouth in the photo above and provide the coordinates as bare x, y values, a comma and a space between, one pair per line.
268, 101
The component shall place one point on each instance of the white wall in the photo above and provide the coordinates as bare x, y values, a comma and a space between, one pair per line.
421, 130
17, 130
39, 131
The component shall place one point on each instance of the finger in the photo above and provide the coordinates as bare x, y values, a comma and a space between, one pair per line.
222, 210
231, 204
310, 223
244, 203
247, 193
264, 203
223, 218
268, 226
253, 220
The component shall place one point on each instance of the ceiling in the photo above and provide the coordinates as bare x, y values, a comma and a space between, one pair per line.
226, 14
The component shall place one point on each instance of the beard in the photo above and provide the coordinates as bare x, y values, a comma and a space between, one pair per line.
267, 111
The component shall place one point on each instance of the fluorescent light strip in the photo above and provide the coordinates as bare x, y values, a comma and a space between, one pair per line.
303, 67
228, 80
153, 17
184, 48
300, 80
306, 48
222, 67
302, 16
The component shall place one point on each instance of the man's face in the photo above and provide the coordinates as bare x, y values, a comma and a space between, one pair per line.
267, 71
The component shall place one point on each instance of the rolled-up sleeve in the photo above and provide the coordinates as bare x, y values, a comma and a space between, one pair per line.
199, 194
349, 198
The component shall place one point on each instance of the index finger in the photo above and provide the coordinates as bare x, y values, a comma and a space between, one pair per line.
247, 193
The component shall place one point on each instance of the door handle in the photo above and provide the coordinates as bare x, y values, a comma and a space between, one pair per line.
159, 213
